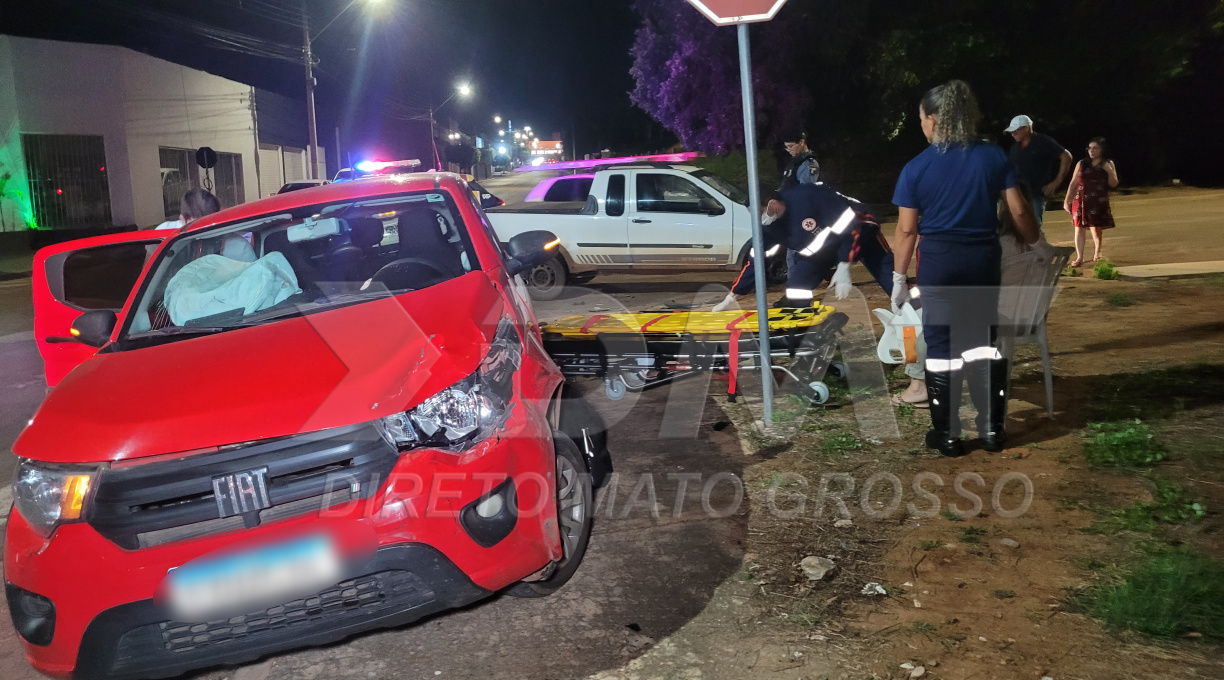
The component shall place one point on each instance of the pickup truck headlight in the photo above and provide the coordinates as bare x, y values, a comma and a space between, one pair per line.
50, 495
464, 414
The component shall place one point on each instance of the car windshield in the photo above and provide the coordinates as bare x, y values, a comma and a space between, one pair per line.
722, 186
289, 264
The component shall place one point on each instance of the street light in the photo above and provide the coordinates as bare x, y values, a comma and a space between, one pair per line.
462, 89
501, 133
308, 58
527, 129
497, 120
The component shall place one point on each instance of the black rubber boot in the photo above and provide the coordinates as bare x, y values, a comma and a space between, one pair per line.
943, 395
988, 389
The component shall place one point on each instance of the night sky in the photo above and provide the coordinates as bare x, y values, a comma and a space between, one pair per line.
560, 66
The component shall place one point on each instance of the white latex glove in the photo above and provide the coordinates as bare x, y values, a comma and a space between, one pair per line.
726, 303
767, 219
841, 281
900, 292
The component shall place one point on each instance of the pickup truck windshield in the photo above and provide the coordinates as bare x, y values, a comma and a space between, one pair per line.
310, 259
722, 186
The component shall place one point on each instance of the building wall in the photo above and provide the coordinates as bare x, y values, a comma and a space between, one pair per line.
135, 102
168, 105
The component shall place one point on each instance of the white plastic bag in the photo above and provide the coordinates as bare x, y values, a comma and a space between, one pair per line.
214, 284
892, 346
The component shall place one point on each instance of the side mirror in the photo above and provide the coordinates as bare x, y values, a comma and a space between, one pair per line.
710, 206
94, 328
490, 201
531, 249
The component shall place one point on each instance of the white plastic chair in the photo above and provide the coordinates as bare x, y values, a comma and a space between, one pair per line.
1024, 305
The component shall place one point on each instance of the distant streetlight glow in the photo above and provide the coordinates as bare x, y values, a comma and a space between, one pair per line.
497, 120
527, 129
501, 150
465, 89
501, 133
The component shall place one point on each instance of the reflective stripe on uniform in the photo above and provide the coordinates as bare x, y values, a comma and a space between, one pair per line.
944, 365
914, 292
839, 227
799, 294
981, 353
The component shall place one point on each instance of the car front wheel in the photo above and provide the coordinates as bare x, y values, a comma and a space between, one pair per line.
575, 512
547, 280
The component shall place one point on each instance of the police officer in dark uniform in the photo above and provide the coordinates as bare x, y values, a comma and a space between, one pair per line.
827, 231
801, 169
948, 195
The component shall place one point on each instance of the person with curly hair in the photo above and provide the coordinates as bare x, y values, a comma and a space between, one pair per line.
948, 195
1088, 198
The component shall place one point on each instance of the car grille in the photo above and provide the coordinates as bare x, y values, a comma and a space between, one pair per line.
149, 504
361, 598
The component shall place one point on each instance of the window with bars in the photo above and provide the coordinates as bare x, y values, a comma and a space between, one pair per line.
68, 184
179, 173
227, 178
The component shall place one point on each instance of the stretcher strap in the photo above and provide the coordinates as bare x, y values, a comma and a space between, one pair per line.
653, 321
733, 351
586, 327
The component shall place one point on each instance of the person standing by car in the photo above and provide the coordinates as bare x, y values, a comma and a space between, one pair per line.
196, 203
947, 195
1088, 198
1039, 161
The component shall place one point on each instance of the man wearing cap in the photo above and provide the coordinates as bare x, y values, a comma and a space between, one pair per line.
1039, 161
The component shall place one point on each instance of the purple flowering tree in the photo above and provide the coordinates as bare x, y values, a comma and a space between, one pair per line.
687, 77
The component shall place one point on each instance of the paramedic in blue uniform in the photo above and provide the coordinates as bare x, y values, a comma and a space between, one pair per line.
947, 195
828, 231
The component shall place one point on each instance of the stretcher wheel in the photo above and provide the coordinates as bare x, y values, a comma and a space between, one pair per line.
820, 392
838, 369
615, 389
634, 380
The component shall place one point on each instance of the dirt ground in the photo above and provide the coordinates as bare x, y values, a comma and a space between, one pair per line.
983, 596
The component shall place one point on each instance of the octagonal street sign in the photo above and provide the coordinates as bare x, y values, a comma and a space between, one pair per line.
728, 12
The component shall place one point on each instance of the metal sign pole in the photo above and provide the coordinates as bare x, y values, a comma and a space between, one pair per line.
754, 211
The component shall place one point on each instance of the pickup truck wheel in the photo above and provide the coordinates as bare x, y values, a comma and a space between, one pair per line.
546, 281
575, 512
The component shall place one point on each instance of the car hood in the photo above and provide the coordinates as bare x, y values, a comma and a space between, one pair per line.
328, 369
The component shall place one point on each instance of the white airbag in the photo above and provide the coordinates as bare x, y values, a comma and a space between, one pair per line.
213, 284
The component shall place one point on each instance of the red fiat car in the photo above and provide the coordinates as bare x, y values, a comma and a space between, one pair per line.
311, 415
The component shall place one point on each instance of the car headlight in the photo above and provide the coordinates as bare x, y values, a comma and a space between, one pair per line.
466, 413
49, 495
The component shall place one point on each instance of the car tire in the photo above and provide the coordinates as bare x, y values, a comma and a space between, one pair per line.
585, 427
547, 280
575, 513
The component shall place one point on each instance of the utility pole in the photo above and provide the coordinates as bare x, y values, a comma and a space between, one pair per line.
433, 140
308, 58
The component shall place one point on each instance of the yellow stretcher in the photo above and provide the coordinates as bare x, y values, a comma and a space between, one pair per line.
634, 352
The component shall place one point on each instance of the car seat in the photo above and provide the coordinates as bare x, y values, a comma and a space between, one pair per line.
424, 234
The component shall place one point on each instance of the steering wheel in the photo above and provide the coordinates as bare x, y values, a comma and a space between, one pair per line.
401, 268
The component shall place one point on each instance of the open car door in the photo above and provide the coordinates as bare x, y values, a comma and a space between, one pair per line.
79, 276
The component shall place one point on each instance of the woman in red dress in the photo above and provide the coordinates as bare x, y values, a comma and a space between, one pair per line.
1088, 198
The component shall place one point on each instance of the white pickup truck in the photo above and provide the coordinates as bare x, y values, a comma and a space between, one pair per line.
638, 218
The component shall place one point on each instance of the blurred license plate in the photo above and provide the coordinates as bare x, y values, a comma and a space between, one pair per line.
224, 586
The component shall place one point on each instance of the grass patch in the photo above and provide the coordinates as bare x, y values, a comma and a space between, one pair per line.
1156, 394
1168, 594
930, 545
1125, 443
922, 627
1120, 300
1170, 505
1071, 271
972, 535
952, 516
1105, 270
839, 443
1004, 594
